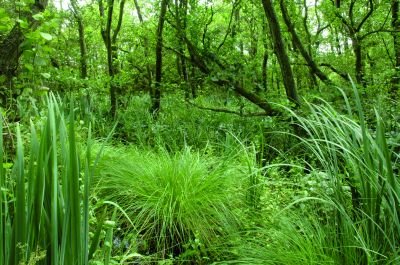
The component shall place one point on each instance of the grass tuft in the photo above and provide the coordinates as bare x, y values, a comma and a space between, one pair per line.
172, 199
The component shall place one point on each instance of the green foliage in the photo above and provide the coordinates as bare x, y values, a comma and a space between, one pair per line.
194, 185
180, 124
359, 191
355, 157
172, 199
44, 202
291, 239
5, 22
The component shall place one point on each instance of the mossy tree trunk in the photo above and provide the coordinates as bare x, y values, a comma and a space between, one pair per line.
156, 97
314, 68
82, 42
110, 40
10, 53
280, 51
396, 45
146, 49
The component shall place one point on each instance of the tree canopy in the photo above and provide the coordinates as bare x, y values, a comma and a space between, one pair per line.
252, 48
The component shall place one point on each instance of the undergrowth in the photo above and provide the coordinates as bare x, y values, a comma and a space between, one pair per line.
195, 187
174, 199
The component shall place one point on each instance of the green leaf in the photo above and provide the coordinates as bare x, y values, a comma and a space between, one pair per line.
7, 165
26, 45
23, 24
20, 4
29, 67
47, 49
46, 36
45, 75
38, 17
3, 14
41, 91
40, 61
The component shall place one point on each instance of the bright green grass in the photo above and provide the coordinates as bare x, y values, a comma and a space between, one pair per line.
357, 221
360, 165
172, 199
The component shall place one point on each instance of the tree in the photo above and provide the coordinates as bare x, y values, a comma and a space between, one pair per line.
82, 42
202, 62
280, 51
396, 45
181, 8
354, 31
11, 51
146, 48
156, 97
264, 66
110, 41
315, 70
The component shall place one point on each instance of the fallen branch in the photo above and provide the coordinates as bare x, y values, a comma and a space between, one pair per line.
343, 75
223, 110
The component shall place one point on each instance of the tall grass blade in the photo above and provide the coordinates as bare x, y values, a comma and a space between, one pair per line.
96, 237
2, 201
54, 221
19, 228
109, 238
49, 220
86, 195
74, 196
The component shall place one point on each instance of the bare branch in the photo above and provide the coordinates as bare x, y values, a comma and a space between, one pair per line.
229, 29
371, 9
118, 28
343, 75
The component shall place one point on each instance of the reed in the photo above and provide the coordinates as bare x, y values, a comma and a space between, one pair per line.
44, 199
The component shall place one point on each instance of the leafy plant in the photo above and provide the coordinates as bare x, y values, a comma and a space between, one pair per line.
359, 163
351, 215
44, 202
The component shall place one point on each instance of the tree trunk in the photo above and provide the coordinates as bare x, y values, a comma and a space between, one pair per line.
359, 63
264, 71
299, 45
82, 42
313, 80
10, 52
83, 50
280, 51
156, 99
396, 44
106, 35
181, 13
110, 41
9, 55
146, 49
354, 34
193, 84
199, 60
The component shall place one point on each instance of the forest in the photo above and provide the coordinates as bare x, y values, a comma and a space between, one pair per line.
199, 132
